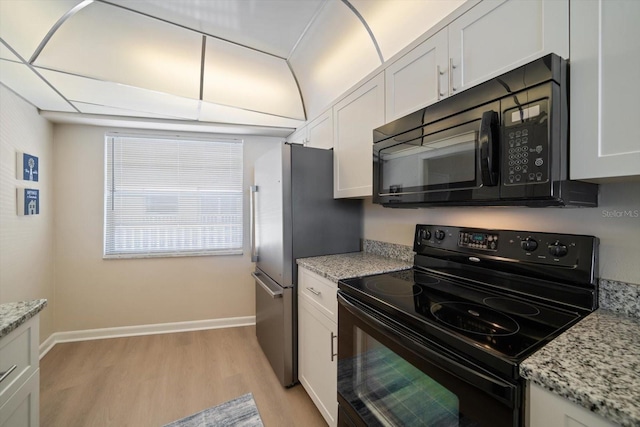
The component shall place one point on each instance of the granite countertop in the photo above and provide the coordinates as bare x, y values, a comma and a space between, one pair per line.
354, 264
14, 314
595, 364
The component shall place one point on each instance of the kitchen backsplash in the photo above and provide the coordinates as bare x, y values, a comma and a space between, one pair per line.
620, 297
389, 250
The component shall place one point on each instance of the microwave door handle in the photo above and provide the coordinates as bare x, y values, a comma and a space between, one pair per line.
488, 139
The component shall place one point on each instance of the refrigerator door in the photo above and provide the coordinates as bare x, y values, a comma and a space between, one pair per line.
270, 178
295, 216
274, 313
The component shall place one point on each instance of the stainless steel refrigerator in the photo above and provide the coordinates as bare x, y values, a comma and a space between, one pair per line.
293, 215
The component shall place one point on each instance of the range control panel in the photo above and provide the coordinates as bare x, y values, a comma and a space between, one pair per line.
563, 250
478, 240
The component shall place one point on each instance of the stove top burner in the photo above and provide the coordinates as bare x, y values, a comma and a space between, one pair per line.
512, 306
474, 318
392, 288
460, 313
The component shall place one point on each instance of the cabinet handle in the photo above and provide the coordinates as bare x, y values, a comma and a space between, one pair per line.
333, 355
440, 73
252, 222
313, 291
451, 68
6, 373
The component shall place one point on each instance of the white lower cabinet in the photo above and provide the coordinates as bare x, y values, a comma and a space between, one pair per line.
23, 409
20, 373
318, 342
547, 409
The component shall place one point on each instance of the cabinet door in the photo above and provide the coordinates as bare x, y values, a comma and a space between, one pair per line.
23, 408
354, 119
298, 137
498, 35
605, 62
317, 359
417, 79
320, 131
547, 409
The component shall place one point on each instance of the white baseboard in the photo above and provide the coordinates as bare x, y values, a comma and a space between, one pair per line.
132, 331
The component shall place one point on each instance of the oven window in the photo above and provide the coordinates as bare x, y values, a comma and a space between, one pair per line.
444, 160
397, 393
387, 376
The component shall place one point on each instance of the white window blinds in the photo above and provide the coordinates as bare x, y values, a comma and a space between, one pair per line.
171, 197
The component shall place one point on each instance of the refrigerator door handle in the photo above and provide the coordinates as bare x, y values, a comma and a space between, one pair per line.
252, 218
276, 294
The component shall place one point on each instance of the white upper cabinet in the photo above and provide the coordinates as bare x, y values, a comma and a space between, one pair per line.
418, 78
299, 136
354, 119
489, 39
498, 35
320, 131
605, 65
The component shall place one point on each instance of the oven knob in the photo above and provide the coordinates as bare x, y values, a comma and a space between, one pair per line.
558, 249
529, 244
439, 234
425, 234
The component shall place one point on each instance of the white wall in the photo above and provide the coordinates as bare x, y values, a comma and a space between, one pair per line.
97, 293
619, 233
26, 242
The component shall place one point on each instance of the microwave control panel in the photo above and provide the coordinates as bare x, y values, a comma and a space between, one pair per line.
526, 144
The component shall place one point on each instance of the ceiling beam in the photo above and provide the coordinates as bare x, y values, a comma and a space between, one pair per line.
366, 26
55, 27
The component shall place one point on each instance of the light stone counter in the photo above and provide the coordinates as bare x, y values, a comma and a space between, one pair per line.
354, 264
595, 364
14, 314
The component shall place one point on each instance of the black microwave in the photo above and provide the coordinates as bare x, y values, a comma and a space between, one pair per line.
503, 142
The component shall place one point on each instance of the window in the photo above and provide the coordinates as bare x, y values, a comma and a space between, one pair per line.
172, 196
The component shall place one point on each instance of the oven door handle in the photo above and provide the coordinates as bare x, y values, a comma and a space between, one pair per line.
489, 384
489, 141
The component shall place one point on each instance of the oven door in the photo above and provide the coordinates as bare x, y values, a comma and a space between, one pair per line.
455, 159
389, 376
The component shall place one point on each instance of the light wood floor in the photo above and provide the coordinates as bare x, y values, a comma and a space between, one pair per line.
153, 380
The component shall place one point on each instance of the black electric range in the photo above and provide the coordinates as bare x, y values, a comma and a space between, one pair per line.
484, 299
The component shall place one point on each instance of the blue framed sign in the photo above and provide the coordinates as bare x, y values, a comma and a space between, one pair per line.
27, 167
28, 201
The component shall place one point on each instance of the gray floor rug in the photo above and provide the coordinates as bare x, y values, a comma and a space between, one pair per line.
239, 412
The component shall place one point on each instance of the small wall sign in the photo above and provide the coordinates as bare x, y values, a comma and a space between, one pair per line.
28, 201
27, 167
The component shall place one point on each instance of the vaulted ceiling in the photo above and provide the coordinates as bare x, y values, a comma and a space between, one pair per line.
270, 63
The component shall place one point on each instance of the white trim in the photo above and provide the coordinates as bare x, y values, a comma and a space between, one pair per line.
132, 331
